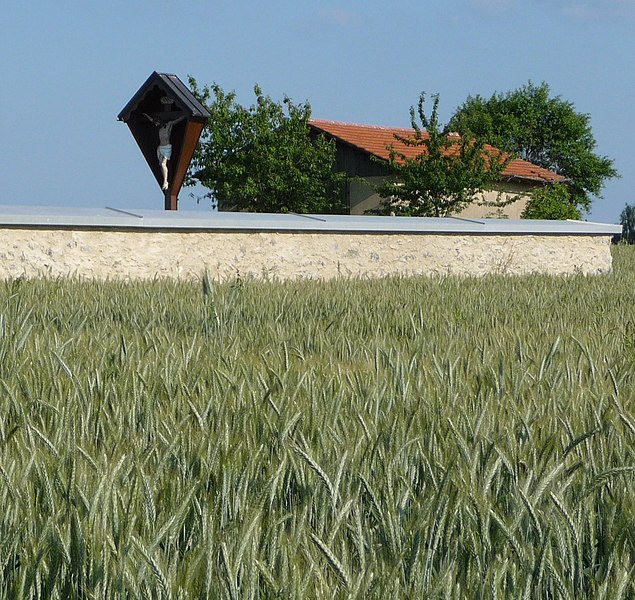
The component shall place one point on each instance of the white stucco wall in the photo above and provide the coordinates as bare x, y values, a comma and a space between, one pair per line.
131, 254
488, 205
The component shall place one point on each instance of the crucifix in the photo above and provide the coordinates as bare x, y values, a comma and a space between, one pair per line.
164, 149
166, 120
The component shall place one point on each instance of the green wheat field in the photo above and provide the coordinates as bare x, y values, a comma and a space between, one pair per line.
396, 438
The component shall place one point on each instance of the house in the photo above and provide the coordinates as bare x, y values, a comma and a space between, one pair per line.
356, 145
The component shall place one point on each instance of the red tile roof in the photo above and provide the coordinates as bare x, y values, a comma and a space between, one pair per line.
375, 140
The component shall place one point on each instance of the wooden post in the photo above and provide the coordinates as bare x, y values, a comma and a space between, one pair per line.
171, 201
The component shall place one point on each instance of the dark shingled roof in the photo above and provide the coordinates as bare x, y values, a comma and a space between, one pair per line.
174, 88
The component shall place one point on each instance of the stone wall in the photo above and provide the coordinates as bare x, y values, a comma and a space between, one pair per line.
131, 254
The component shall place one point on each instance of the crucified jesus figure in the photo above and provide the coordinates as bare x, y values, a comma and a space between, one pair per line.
164, 149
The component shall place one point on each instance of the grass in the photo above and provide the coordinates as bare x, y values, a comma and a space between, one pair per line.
424, 437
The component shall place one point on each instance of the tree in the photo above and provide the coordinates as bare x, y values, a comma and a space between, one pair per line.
551, 202
262, 158
627, 220
543, 130
445, 176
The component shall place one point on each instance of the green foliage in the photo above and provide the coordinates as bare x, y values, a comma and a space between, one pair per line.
319, 439
446, 175
552, 203
543, 130
627, 220
262, 158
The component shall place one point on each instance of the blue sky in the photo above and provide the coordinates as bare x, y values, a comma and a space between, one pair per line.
69, 67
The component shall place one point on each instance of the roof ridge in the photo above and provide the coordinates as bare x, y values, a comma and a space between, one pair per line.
350, 124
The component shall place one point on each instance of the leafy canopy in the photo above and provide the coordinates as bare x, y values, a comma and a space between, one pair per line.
262, 158
445, 176
546, 131
551, 202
